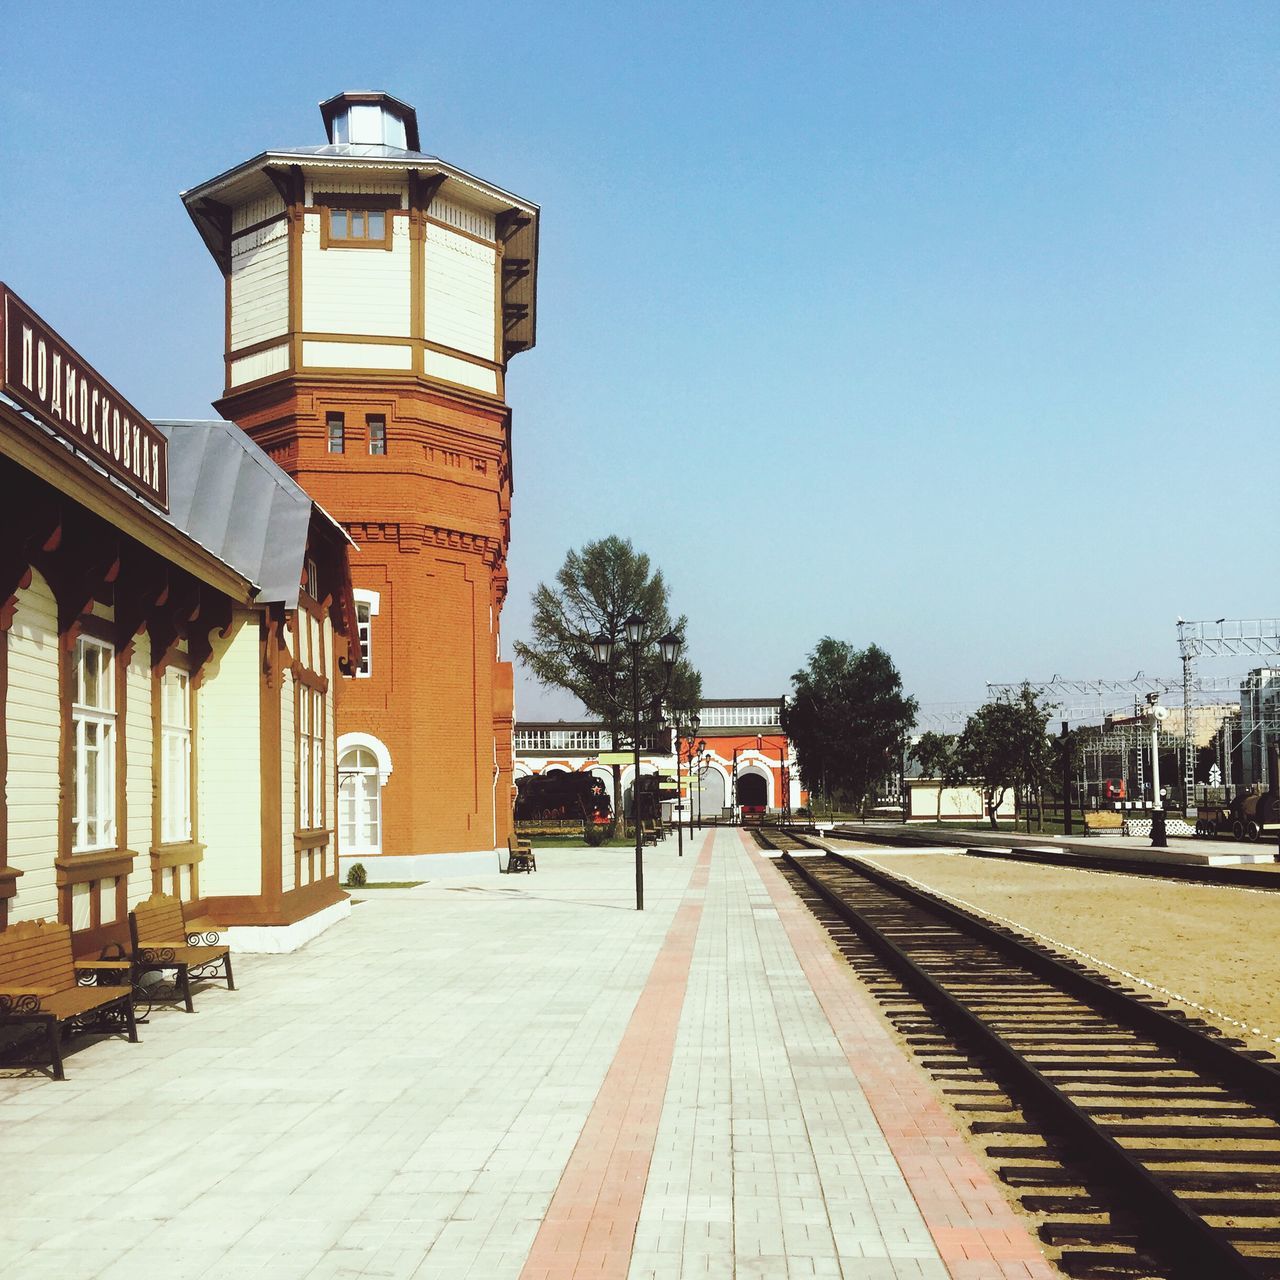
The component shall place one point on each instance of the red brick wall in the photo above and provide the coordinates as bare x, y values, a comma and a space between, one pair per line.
432, 522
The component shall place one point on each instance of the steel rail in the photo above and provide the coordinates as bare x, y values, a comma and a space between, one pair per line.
1197, 1249
1258, 1078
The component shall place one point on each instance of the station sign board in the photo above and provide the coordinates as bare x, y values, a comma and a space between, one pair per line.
50, 379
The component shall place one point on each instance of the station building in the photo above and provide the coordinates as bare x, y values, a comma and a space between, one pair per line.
374, 296
740, 756
175, 614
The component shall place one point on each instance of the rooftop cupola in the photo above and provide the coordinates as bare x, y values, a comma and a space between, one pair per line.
370, 119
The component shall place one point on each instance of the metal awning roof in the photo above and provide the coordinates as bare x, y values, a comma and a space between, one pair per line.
227, 495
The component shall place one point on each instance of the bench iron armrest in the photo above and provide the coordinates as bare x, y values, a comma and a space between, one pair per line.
20, 1000
158, 952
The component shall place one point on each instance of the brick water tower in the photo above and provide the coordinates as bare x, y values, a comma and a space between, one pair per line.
374, 295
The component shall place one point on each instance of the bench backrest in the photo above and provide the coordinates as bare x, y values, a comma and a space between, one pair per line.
1104, 821
36, 956
158, 919
516, 845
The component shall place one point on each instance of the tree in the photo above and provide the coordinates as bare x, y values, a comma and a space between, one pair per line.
935, 754
595, 591
1004, 744
847, 717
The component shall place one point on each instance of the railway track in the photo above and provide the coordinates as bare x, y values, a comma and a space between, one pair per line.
1148, 1143
1069, 856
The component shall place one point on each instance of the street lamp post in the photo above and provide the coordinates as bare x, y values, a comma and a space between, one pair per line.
692, 725
704, 764
668, 646
679, 801
1155, 714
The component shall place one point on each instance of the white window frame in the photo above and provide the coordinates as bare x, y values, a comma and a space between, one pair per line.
91, 831
360, 805
311, 728
175, 756
369, 602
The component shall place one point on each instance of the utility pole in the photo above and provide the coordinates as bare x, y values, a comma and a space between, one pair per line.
1066, 779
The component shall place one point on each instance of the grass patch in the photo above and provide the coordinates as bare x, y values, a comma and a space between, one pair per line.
575, 841
394, 884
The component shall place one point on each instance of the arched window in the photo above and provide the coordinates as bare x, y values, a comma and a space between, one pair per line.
359, 802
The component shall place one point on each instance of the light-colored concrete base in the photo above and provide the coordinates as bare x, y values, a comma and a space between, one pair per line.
278, 940
387, 868
1207, 854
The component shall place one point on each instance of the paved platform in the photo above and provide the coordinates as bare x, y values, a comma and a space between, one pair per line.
516, 1077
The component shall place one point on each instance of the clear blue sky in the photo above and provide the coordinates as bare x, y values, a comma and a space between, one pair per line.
952, 327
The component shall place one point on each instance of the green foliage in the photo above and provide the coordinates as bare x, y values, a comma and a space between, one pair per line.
847, 717
595, 590
935, 754
594, 834
1005, 744
356, 875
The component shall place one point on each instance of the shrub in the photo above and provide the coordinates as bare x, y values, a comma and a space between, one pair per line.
356, 875
594, 834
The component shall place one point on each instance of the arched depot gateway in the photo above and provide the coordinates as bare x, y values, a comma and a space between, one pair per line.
739, 750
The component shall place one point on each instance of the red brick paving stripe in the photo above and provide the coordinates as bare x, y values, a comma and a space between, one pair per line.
590, 1226
978, 1235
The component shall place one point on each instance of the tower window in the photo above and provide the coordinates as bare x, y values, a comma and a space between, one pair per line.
366, 610
362, 625
355, 222
377, 433
337, 433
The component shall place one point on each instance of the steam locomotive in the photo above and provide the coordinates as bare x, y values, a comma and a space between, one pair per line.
563, 796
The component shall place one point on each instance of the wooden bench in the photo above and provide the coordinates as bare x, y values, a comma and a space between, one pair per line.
40, 983
520, 855
1103, 822
650, 830
162, 940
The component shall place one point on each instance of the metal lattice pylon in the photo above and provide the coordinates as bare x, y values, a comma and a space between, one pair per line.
1222, 638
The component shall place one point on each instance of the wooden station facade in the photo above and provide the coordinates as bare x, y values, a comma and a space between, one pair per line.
174, 613
374, 295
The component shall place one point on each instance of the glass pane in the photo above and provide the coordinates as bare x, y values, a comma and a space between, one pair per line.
340, 128
366, 122
377, 226
90, 675
393, 131
357, 224
91, 751
338, 224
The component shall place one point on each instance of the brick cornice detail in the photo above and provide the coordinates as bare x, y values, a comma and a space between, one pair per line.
412, 537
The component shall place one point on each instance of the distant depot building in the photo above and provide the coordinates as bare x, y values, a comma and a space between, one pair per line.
374, 296
175, 613
740, 757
